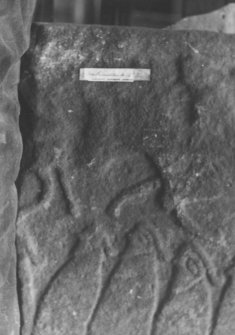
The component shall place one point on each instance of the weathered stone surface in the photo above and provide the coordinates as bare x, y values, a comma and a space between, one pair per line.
126, 190
15, 18
221, 21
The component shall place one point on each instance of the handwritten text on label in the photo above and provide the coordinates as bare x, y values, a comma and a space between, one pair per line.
114, 75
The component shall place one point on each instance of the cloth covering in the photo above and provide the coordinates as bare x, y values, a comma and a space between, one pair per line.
15, 21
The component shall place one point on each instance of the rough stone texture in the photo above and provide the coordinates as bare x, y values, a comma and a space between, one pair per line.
14, 38
126, 190
221, 21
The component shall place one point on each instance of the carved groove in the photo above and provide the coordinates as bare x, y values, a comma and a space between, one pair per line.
46, 200
140, 190
54, 277
167, 294
62, 185
216, 305
72, 207
103, 288
98, 298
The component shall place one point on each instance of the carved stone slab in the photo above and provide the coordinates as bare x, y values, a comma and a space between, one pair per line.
126, 218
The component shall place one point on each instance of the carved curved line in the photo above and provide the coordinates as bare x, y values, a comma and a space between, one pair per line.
156, 287
165, 292
103, 287
216, 309
220, 297
166, 296
50, 178
64, 189
210, 269
99, 295
140, 189
216, 286
50, 283
67, 193
198, 249
46, 289
190, 286
45, 202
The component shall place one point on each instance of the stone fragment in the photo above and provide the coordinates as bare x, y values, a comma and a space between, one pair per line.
15, 20
126, 189
221, 21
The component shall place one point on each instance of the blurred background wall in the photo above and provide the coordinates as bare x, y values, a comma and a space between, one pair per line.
148, 13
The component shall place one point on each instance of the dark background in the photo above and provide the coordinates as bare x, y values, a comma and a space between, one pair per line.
149, 13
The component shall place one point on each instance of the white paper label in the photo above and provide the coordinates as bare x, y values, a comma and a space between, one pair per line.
114, 75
